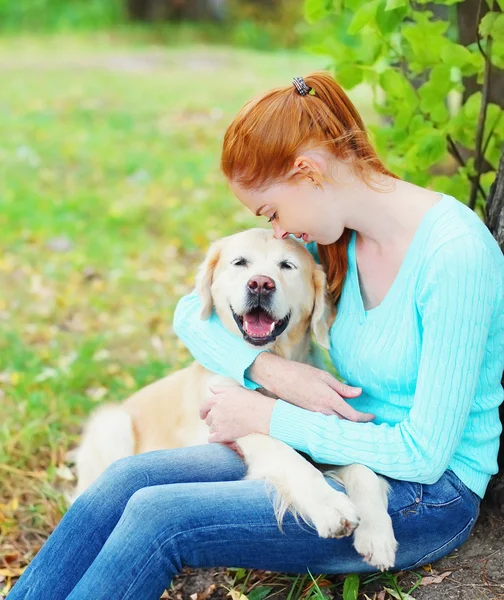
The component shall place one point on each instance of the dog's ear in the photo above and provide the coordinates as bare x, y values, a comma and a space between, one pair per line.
204, 279
324, 310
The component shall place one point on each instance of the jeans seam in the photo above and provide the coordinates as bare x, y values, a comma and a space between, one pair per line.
179, 533
415, 504
417, 563
434, 505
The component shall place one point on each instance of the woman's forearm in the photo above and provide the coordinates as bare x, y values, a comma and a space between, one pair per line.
211, 344
266, 370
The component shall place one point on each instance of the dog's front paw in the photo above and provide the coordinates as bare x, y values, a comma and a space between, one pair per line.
376, 543
333, 514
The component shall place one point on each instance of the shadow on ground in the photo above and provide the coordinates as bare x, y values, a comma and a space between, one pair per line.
476, 573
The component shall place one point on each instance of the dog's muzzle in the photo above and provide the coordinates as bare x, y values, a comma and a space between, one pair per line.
258, 327
257, 324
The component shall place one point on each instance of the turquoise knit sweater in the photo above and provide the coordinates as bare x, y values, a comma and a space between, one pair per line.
429, 359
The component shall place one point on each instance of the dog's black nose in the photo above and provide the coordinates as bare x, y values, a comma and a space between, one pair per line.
260, 284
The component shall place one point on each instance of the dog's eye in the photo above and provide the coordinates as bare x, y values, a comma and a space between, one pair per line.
285, 264
240, 262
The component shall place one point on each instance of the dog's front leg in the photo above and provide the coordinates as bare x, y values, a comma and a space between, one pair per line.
374, 539
301, 488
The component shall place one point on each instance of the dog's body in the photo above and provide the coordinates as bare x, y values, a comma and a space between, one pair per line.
253, 281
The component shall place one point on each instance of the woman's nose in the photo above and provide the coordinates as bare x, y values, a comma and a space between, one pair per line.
278, 232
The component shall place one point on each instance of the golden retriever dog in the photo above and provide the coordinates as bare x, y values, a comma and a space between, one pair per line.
272, 294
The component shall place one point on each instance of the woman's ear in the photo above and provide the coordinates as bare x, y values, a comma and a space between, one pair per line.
204, 279
324, 310
308, 167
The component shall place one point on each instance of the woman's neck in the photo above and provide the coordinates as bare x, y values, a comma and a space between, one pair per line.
387, 218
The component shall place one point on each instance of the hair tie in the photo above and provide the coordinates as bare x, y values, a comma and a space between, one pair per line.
301, 87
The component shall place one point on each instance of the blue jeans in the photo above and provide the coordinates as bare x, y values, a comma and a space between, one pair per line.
149, 515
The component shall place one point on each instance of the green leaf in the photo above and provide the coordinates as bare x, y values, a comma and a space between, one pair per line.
349, 75
240, 573
426, 39
398, 595
472, 106
462, 130
429, 148
398, 88
487, 23
388, 20
363, 16
417, 123
259, 593
498, 54
351, 587
498, 28
433, 93
494, 117
315, 10
393, 4
456, 55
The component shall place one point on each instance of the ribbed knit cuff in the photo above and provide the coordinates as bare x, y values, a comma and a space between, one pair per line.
238, 365
291, 425
237, 362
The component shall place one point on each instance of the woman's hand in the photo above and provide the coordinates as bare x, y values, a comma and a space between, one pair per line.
306, 386
233, 412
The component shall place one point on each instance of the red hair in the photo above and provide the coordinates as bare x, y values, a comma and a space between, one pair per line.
266, 136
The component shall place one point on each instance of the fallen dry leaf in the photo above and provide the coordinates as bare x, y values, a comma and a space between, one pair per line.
236, 595
435, 578
63, 472
12, 572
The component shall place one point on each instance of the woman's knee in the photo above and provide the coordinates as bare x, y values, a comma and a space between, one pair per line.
116, 484
169, 510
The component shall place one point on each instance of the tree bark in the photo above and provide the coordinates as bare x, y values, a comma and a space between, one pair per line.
467, 15
494, 218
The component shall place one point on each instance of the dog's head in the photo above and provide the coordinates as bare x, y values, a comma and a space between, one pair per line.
265, 288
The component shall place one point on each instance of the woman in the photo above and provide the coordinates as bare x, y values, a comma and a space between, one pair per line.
419, 286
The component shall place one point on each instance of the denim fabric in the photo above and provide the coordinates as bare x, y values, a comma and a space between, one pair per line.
151, 514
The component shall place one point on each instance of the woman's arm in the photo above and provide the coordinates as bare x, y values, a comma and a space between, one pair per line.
221, 352
460, 296
211, 344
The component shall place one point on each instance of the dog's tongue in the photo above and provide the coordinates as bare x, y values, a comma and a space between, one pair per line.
257, 324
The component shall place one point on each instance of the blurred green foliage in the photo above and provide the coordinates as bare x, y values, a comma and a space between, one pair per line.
278, 24
414, 67
44, 15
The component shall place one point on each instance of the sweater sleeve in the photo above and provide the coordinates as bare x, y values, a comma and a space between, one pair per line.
211, 344
457, 297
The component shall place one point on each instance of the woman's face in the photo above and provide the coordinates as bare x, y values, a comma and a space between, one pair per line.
294, 208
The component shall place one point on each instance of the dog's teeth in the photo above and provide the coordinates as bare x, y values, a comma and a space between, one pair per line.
272, 326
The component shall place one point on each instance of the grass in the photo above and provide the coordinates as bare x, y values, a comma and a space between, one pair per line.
110, 192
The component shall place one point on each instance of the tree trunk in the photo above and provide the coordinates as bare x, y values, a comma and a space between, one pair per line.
176, 10
494, 217
467, 14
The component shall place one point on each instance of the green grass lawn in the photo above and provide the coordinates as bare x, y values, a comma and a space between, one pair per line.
110, 192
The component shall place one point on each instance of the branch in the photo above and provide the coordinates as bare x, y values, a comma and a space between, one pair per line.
454, 151
492, 129
478, 160
478, 18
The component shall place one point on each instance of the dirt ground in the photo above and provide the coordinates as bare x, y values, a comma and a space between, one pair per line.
476, 572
